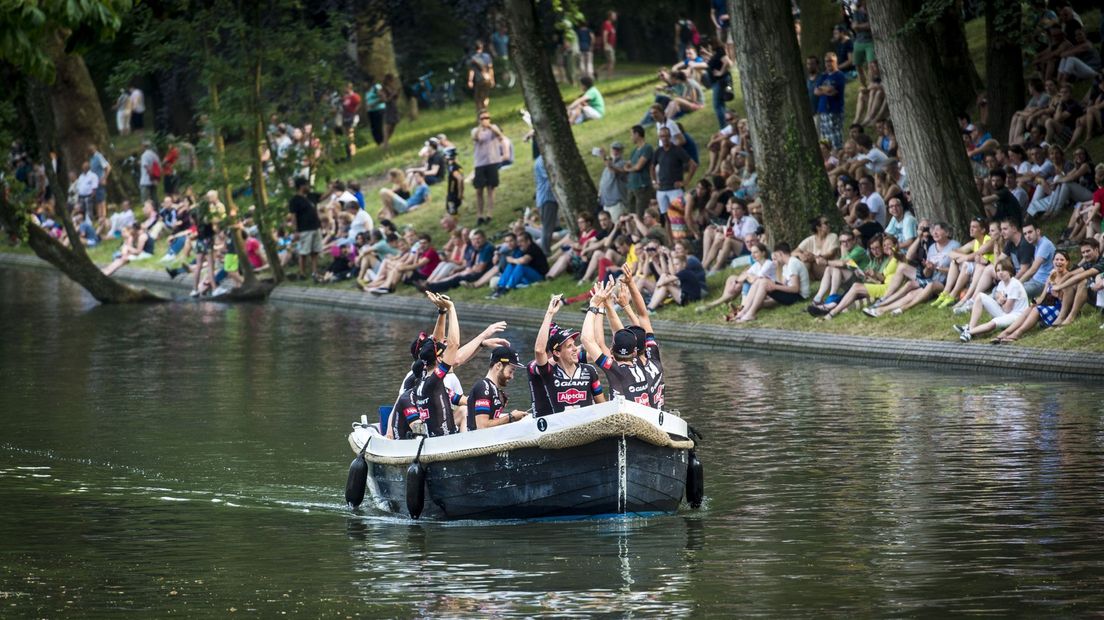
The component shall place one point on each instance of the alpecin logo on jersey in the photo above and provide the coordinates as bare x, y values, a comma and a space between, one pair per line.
571, 397
483, 402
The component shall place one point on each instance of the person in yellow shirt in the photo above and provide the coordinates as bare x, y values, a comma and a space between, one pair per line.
963, 262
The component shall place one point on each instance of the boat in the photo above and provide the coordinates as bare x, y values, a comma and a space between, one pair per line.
609, 459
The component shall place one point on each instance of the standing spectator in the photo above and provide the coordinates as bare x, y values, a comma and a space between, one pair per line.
812, 76
586, 45
151, 172
547, 205
481, 78
719, 72
611, 186
864, 40
350, 118
454, 189
168, 169
609, 42
390, 91
672, 169
123, 112
639, 183
829, 92
590, 106
102, 168
209, 216
488, 139
137, 108
87, 183
500, 48
375, 105
307, 225
718, 12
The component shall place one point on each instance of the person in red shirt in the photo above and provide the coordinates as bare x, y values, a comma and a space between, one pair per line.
168, 172
350, 106
609, 42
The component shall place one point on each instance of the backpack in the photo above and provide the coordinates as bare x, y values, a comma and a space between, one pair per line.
155, 171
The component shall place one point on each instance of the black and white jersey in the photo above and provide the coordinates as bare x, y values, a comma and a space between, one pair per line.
554, 391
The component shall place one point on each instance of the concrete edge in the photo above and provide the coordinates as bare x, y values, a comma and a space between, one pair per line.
1012, 359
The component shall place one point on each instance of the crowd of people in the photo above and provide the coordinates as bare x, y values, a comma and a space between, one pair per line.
667, 218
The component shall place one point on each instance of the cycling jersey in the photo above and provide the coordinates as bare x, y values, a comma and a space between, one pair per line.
435, 401
486, 399
404, 412
654, 368
626, 379
554, 391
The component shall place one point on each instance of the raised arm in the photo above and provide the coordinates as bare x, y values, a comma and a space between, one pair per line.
624, 297
591, 333
540, 353
469, 350
453, 344
638, 304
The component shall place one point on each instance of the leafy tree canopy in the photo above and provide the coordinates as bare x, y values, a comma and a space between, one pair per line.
27, 25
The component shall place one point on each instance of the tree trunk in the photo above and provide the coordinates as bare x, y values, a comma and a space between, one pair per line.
960, 77
793, 184
1004, 81
375, 48
818, 17
571, 183
939, 173
79, 118
265, 220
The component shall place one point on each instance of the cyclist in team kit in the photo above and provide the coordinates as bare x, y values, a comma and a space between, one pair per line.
558, 378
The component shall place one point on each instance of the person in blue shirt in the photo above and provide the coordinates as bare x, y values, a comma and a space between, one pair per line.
478, 258
547, 205
829, 93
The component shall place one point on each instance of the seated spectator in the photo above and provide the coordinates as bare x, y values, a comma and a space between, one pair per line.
122, 219
1000, 204
590, 106
1076, 184
411, 271
740, 284
85, 230
849, 198
818, 248
434, 169
1045, 313
902, 223
871, 282
453, 253
394, 203
682, 278
1006, 305
399, 189
1087, 216
864, 225
1034, 276
840, 273
571, 255
1060, 125
1075, 289
1037, 103
720, 244
138, 244
1079, 61
478, 259
872, 105
791, 289
1090, 122
508, 248
528, 268
913, 285
979, 143
965, 260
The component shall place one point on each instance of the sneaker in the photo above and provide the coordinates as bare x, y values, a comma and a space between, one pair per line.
816, 310
172, 273
168, 258
966, 336
194, 293
495, 294
379, 290
947, 301
964, 307
959, 329
870, 312
897, 312
938, 300
221, 290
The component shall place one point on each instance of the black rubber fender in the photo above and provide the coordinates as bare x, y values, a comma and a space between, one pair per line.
415, 489
357, 482
695, 484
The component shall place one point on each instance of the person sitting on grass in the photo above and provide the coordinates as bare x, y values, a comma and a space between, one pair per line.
478, 258
506, 249
1072, 292
818, 248
720, 244
681, 279
839, 272
917, 284
902, 223
394, 203
572, 254
1007, 303
452, 254
1086, 217
137, 245
964, 261
528, 268
740, 284
873, 282
589, 107
792, 288
1044, 313
418, 264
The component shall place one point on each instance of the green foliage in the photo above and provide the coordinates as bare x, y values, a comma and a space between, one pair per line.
27, 25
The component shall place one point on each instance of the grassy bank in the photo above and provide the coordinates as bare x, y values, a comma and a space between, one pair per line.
627, 97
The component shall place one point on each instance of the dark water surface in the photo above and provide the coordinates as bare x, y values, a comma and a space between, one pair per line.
191, 458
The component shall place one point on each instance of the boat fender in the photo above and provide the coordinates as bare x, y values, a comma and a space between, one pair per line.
695, 487
415, 484
358, 478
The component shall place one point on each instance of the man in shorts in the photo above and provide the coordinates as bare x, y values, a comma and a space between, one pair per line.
673, 168
864, 40
307, 225
609, 42
488, 140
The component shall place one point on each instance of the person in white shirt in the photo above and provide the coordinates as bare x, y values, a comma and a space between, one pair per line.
362, 222
137, 108
661, 121
1006, 305
790, 289
87, 183
873, 199
740, 284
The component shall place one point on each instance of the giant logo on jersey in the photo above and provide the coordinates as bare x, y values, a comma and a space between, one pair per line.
571, 396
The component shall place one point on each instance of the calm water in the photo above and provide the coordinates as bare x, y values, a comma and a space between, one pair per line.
191, 458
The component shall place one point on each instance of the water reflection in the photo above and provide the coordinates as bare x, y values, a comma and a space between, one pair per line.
200, 443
